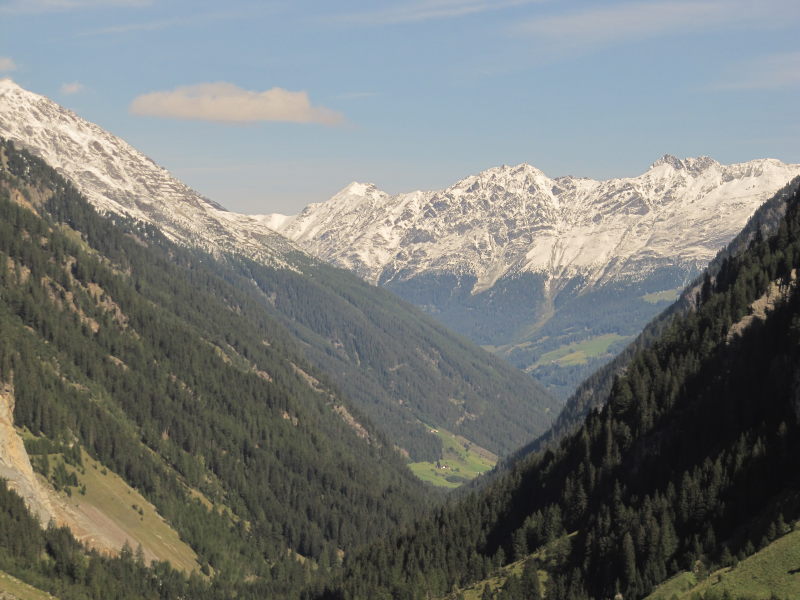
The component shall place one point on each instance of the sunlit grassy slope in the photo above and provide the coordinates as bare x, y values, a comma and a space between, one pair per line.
773, 569
12, 586
579, 352
665, 296
108, 494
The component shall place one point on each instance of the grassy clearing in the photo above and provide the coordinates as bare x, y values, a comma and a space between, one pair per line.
773, 569
107, 495
461, 461
664, 296
21, 590
578, 353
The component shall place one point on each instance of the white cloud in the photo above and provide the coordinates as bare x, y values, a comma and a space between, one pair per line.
428, 10
226, 102
641, 20
71, 88
764, 73
7, 64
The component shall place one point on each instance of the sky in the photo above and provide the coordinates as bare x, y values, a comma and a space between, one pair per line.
266, 106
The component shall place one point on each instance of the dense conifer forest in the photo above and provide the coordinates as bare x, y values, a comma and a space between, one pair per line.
399, 366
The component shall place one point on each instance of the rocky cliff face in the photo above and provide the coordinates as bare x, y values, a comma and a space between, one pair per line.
15, 466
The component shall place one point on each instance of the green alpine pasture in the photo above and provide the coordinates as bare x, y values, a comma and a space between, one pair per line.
461, 461
579, 353
775, 569
19, 590
663, 296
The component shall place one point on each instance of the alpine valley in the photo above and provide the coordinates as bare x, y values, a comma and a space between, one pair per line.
194, 404
398, 367
555, 275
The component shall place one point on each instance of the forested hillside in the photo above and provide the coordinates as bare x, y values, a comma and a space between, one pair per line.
154, 361
399, 366
594, 390
691, 464
164, 365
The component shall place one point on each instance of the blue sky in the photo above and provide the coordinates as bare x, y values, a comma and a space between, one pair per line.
266, 106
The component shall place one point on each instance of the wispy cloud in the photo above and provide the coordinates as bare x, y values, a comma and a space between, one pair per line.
71, 88
41, 6
771, 72
429, 10
7, 64
225, 102
641, 20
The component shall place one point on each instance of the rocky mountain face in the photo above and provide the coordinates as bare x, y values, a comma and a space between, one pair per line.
553, 273
117, 178
15, 465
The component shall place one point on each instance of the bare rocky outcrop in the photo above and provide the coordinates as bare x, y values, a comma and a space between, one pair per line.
777, 292
15, 466
352, 423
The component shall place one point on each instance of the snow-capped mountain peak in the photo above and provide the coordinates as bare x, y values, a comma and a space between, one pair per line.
117, 178
668, 160
514, 219
356, 188
696, 164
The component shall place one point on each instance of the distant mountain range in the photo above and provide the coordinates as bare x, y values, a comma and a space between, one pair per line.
555, 274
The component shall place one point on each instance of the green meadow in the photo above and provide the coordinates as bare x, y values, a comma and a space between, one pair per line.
461, 461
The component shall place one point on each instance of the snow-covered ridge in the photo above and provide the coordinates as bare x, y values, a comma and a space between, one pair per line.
502, 221
117, 178
515, 219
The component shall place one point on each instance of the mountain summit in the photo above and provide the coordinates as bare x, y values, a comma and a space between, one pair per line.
117, 178
505, 256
